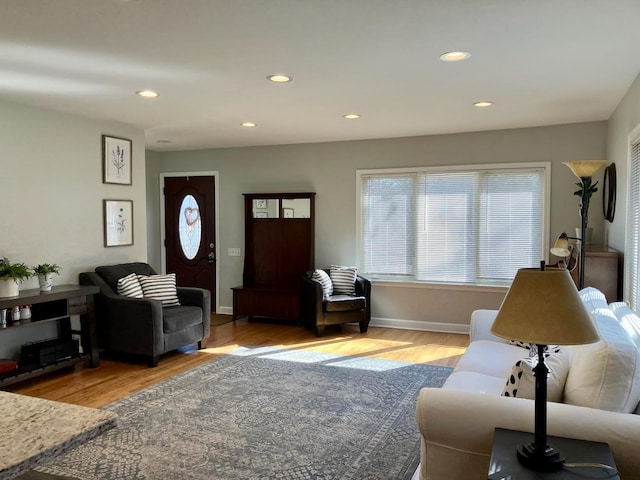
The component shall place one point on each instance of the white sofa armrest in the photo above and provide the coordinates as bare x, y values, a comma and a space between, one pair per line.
457, 431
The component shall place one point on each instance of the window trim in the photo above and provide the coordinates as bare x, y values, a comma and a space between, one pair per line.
629, 267
546, 196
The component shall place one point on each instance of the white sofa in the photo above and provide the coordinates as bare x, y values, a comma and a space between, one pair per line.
599, 387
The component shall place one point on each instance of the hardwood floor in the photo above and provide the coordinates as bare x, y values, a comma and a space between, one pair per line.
116, 378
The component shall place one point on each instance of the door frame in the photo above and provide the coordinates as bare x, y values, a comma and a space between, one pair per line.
216, 199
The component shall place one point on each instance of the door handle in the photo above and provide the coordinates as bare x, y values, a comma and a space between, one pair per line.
211, 257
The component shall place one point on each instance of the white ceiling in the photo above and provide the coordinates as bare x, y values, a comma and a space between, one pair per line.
542, 62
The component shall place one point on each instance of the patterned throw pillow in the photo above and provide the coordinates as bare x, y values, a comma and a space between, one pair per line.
161, 287
343, 279
129, 286
323, 279
521, 383
520, 344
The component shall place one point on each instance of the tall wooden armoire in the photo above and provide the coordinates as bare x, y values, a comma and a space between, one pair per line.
278, 249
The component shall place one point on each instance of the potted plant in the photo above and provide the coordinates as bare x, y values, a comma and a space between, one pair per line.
10, 275
591, 189
45, 272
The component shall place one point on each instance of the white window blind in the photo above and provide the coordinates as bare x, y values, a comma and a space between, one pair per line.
633, 228
475, 227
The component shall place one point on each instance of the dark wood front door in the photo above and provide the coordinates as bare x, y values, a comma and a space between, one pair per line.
190, 231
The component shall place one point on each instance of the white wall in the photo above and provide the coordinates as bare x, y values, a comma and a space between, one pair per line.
623, 122
329, 170
51, 194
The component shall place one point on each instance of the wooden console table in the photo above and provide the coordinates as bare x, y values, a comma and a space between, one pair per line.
601, 270
57, 305
35, 430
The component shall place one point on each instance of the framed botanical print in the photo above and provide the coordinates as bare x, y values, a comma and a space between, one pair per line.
118, 222
116, 160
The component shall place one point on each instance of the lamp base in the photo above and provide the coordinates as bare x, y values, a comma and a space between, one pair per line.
548, 460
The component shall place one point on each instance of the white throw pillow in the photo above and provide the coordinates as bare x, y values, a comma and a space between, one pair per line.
628, 319
323, 279
522, 382
161, 287
605, 374
593, 299
343, 279
129, 286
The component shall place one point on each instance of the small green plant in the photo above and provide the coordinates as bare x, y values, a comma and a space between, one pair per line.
590, 190
16, 271
45, 268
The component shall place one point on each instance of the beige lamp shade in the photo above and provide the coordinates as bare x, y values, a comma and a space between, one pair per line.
561, 247
544, 307
584, 168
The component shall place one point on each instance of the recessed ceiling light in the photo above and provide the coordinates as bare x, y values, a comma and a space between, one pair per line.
483, 104
248, 124
279, 78
148, 93
351, 116
455, 56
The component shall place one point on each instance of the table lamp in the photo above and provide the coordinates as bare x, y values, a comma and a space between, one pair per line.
561, 319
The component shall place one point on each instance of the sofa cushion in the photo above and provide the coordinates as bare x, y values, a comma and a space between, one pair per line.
474, 382
129, 286
343, 279
344, 303
490, 358
160, 287
629, 320
605, 374
175, 319
112, 273
593, 299
521, 383
324, 280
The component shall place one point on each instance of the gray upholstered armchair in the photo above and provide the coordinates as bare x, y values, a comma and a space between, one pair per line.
142, 326
317, 311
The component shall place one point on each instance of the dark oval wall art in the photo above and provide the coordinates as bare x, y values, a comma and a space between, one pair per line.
609, 192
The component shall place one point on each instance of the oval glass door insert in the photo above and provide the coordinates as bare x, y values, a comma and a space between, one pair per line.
189, 227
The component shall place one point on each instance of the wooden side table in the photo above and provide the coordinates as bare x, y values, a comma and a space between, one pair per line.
504, 464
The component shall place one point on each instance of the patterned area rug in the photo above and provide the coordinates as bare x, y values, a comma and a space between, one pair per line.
262, 413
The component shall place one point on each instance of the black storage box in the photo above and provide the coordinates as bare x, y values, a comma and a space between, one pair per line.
48, 352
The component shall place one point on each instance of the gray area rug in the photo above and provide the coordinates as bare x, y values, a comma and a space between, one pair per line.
262, 413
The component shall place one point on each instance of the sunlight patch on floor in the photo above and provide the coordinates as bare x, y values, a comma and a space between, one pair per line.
330, 359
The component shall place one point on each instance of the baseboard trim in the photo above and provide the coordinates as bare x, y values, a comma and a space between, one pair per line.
225, 311
421, 326
398, 324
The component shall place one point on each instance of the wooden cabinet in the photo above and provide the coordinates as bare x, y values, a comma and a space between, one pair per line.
601, 270
57, 305
279, 248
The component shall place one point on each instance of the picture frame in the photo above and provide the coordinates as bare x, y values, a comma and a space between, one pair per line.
118, 222
288, 212
116, 160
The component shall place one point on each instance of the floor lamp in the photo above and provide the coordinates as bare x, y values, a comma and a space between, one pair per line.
584, 170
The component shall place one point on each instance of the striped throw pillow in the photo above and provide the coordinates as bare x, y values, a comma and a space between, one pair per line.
343, 279
129, 286
323, 279
160, 287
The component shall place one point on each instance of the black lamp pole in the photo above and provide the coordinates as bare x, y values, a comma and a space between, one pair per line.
538, 455
584, 208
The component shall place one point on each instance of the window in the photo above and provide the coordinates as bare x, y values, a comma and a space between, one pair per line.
471, 226
632, 249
